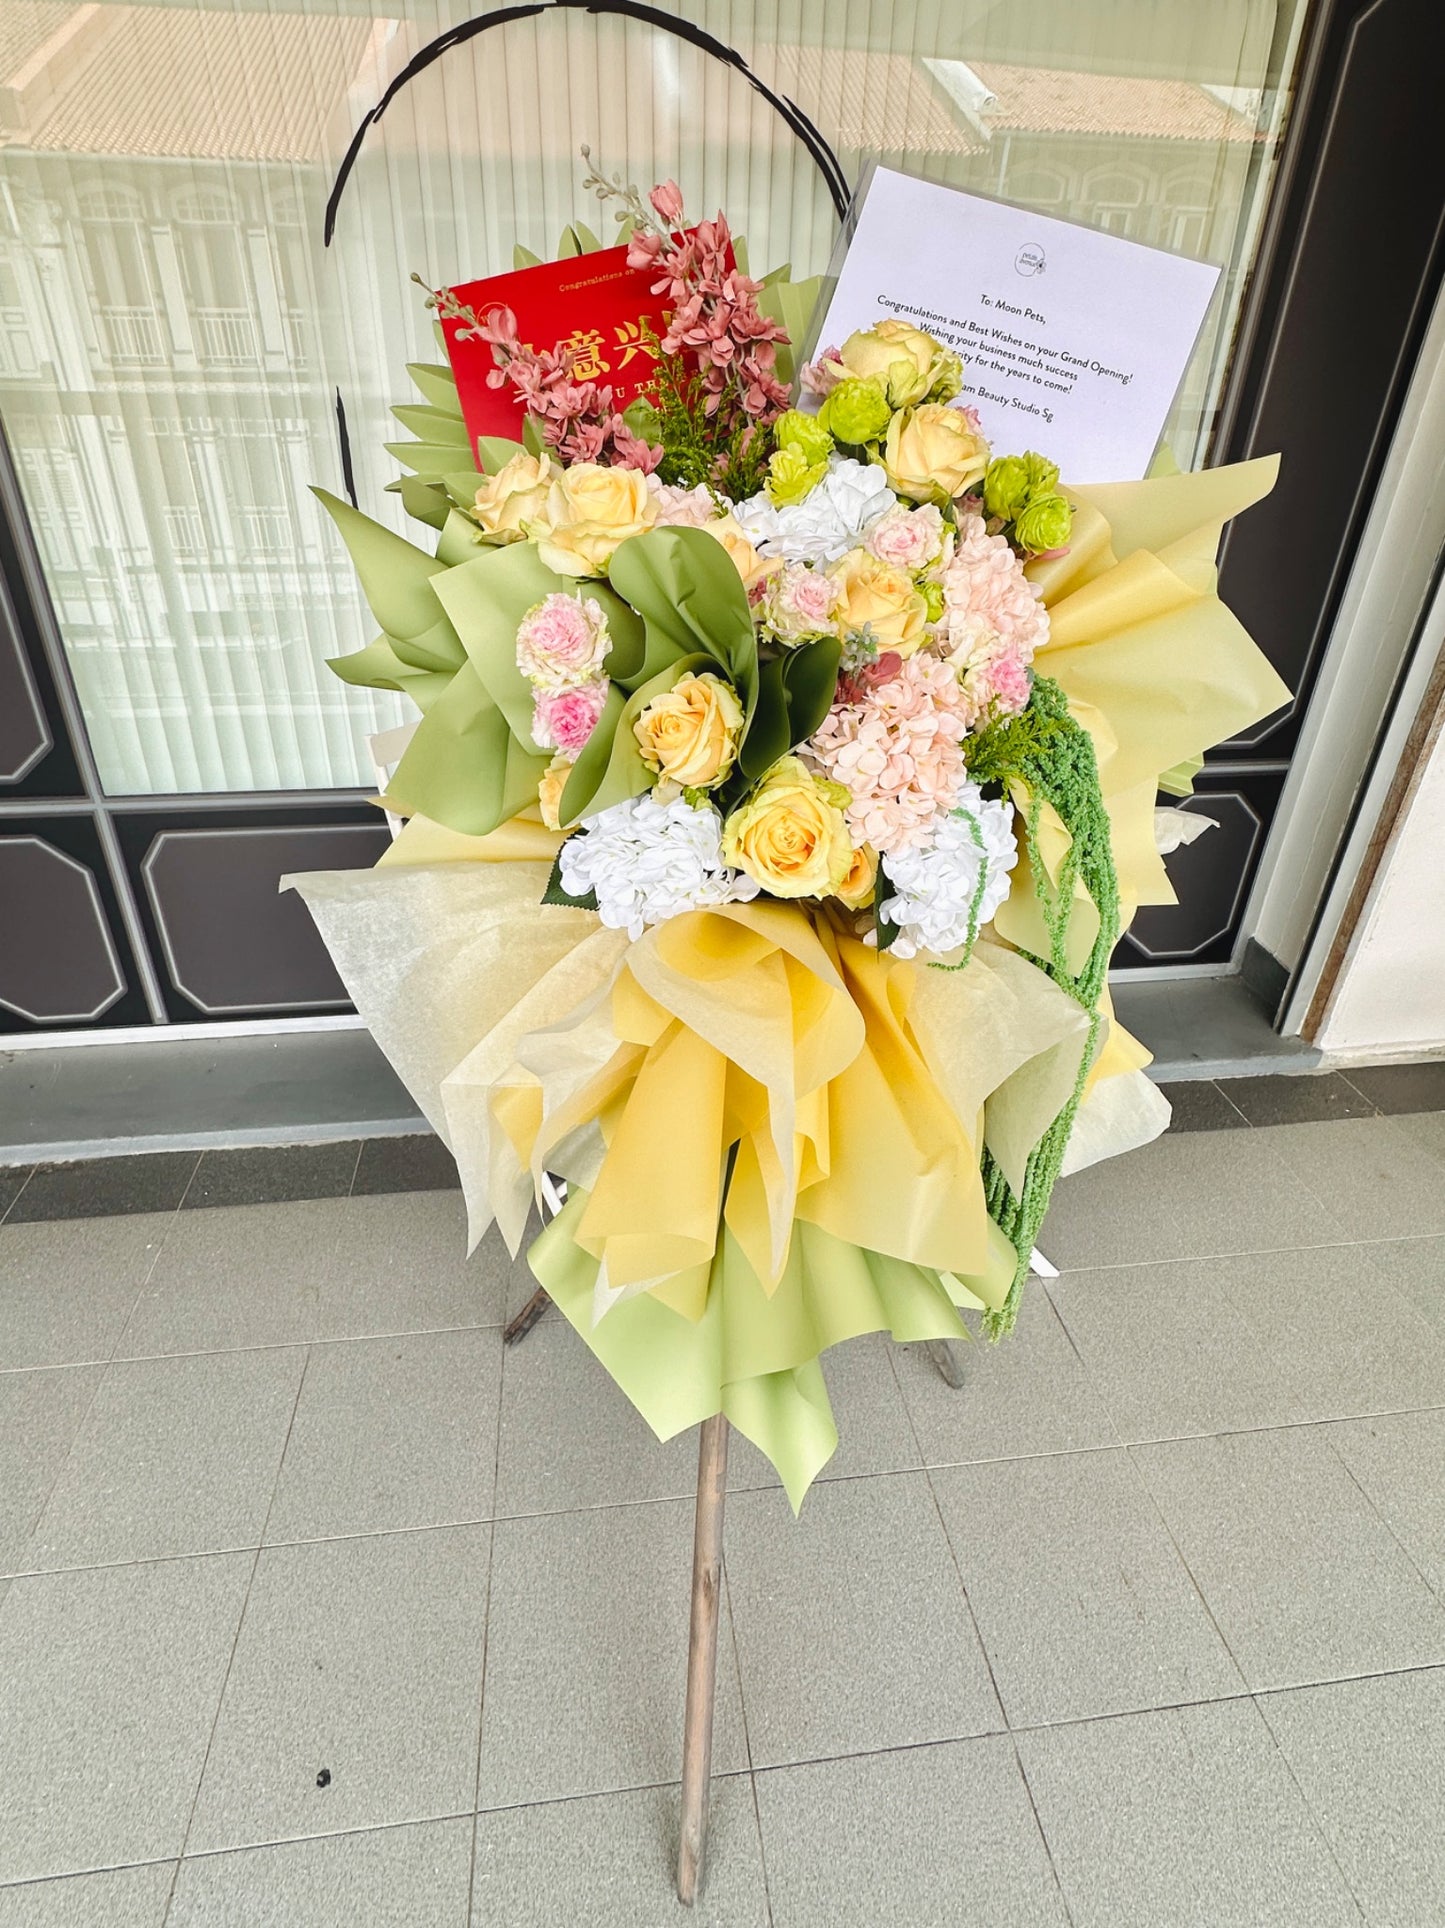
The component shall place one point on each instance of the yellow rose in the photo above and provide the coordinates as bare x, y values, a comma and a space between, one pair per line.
589, 511
745, 559
791, 835
517, 493
856, 889
932, 454
903, 358
550, 785
885, 599
690, 733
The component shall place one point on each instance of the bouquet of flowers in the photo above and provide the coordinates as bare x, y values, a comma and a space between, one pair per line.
797, 689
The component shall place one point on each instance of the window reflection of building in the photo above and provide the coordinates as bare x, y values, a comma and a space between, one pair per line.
161, 329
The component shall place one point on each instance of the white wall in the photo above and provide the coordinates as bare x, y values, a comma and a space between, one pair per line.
1390, 997
1389, 581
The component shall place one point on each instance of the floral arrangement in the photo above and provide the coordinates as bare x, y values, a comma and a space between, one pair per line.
785, 773
821, 752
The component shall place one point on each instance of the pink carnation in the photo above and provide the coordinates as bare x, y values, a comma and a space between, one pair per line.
799, 601
562, 640
564, 719
906, 538
897, 748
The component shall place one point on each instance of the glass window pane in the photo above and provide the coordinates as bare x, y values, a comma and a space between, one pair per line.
173, 337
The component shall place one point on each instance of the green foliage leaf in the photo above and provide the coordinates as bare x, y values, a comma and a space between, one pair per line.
1179, 782
792, 303
432, 425
437, 385
464, 767
458, 542
397, 580
462, 485
496, 451
692, 602
887, 932
424, 500
378, 667
427, 458
554, 893
768, 736
486, 598
524, 257
810, 678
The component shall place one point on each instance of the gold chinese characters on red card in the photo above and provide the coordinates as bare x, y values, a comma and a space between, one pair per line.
594, 305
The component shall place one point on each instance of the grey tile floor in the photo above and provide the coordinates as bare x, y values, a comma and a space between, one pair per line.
317, 1611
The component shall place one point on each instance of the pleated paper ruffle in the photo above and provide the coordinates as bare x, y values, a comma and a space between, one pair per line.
770, 1133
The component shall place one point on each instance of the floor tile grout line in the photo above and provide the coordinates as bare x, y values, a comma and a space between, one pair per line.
395, 1530
1151, 1501
101, 1376
1048, 1845
1238, 1110
235, 1641
1316, 1819
1424, 1578
486, 1632
731, 1774
1091, 1379
747, 1731
978, 1635
140, 1292
1069, 1272
952, 1550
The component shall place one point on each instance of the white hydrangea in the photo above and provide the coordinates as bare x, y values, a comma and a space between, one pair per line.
829, 520
648, 860
935, 882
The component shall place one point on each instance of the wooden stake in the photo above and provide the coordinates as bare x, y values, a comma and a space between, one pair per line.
707, 1539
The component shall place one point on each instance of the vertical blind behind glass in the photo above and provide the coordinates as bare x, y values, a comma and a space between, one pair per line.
173, 336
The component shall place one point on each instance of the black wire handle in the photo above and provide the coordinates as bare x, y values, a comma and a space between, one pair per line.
827, 161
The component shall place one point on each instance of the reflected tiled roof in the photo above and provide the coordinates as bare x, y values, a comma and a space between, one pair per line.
152, 80
871, 102
254, 84
1047, 100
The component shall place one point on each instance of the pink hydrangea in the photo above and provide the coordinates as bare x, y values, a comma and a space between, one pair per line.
564, 719
992, 623
896, 746
562, 641
986, 580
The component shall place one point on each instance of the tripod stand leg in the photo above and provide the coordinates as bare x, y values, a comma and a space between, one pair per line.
712, 1468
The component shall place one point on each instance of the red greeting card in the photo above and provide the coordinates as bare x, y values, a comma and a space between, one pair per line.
594, 304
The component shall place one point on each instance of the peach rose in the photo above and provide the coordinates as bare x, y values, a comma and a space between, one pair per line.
791, 835
689, 734
591, 510
877, 595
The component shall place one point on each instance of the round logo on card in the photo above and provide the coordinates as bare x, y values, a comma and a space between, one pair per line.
1030, 258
